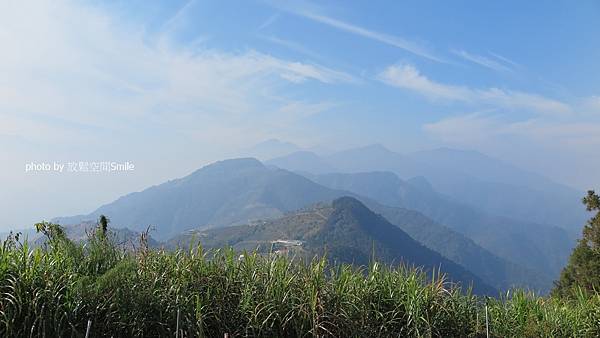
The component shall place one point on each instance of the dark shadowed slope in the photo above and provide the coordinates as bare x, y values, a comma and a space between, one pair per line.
345, 230
494, 270
538, 247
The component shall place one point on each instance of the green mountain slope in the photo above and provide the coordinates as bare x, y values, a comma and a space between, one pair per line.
345, 231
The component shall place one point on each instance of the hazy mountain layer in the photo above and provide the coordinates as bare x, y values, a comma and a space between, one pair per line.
467, 177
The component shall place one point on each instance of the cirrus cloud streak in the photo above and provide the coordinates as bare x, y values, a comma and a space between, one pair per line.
406, 76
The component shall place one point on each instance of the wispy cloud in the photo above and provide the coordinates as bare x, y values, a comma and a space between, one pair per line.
504, 59
298, 72
483, 61
408, 77
129, 76
78, 83
486, 129
173, 21
270, 20
391, 40
291, 45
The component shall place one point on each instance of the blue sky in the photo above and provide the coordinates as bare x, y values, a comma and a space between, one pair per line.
173, 85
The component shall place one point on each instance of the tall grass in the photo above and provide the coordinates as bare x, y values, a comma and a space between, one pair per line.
52, 292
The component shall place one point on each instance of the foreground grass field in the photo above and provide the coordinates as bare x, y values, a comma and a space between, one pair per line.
55, 290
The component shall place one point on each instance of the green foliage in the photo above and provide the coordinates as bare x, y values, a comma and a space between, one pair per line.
54, 232
103, 225
55, 289
583, 270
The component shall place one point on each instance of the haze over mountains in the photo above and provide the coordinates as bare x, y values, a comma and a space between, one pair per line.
502, 250
465, 176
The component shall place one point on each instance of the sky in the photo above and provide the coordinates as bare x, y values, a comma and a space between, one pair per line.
172, 85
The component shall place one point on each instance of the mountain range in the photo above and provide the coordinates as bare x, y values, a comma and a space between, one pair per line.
502, 252
467, 177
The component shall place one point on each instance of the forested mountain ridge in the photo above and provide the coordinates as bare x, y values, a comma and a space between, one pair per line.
345, 231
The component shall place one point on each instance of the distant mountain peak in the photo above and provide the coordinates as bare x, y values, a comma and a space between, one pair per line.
303, 161
273, 141
305, 153
270, 148
387, 175
365, 159
459, 152
236, 163
375, 147
230, 165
